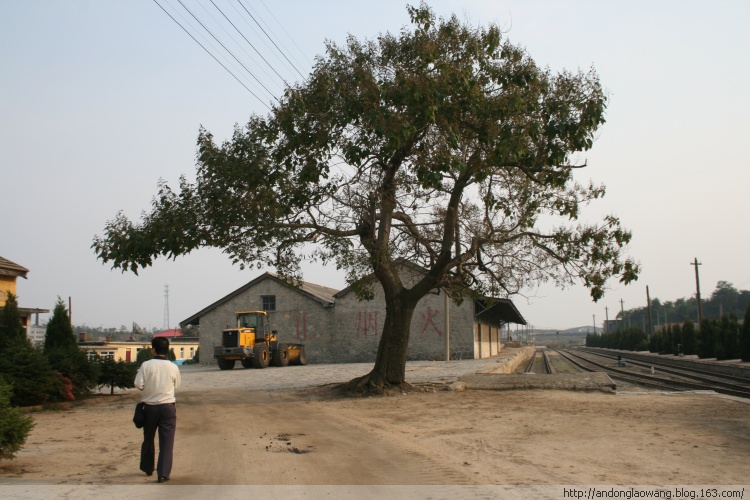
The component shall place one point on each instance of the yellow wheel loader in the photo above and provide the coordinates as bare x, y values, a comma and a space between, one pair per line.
254, 344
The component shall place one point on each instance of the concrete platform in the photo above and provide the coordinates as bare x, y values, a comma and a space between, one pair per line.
559, 381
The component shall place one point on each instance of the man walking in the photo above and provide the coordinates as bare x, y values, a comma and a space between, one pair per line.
158, 378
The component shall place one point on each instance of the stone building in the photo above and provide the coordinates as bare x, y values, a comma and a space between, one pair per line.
336, 327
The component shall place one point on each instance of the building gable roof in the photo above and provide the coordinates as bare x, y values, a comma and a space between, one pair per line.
371, 277
9, 268
497, 311
319, 293
489, 309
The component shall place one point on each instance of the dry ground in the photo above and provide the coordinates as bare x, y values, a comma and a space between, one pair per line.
235, 437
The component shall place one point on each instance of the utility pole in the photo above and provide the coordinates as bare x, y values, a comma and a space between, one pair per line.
650, 321
698, 291
606, 317
448, 327
594, 324
622, 313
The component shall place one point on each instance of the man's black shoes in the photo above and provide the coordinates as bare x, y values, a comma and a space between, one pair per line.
163, 479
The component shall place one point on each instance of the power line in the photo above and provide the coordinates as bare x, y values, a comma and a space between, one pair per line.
240, 45
208, 42
287, 34
249, 43
243, 16
229, 51
267, 35
210, 54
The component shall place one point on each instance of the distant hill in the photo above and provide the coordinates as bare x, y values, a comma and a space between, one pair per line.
577, 331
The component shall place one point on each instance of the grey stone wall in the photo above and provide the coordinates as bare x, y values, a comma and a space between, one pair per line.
297, 319
359, 324
350, 331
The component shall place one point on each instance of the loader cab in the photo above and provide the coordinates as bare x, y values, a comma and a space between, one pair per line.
256, 320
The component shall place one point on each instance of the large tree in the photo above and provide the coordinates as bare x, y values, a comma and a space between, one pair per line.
444, 145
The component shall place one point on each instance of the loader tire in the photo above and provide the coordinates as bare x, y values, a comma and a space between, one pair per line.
225, 364
280, 357
261, 356
302, 358
247, 363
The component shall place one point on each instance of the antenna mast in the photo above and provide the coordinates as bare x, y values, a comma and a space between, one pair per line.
166, 307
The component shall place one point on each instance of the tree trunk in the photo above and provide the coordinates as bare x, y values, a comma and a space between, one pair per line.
390, 363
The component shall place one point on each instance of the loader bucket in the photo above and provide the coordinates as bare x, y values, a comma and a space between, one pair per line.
297, 354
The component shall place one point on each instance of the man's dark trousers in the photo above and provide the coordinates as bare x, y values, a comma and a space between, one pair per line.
163, 417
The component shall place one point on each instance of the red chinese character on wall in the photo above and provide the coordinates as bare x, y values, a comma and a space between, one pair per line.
428, 319
366, 323
302, 326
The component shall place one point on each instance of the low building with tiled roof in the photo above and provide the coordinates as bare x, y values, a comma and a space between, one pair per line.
336, 327
9, 273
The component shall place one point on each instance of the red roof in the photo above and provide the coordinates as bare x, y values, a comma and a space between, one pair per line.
174, 332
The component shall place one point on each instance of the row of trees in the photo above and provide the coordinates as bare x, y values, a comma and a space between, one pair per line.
724, 300
124, 333
57, 371
725, 338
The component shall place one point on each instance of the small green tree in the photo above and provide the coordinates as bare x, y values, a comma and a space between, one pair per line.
116, 373
143, 356
727, 338
59, 331
10, 322
75, 365
14, 425
689, 338
707, 339
65, 357
677, 339
28, 371
745, 337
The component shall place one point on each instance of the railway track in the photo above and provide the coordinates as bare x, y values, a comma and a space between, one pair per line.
665, 378
730, 381
543, 363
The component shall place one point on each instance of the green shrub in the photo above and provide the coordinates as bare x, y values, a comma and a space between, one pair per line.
116, 374
14, 425
143, 356
28, 371
75, 365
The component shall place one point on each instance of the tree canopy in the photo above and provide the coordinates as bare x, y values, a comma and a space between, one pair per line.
444, 145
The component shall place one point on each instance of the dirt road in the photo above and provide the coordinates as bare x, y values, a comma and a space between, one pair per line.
231, 434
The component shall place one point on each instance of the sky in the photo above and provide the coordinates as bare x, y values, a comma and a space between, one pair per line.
99, 100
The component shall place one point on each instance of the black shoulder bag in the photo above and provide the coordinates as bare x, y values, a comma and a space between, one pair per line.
140, 415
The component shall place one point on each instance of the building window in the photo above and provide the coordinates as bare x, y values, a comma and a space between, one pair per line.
269, 302
182, 353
